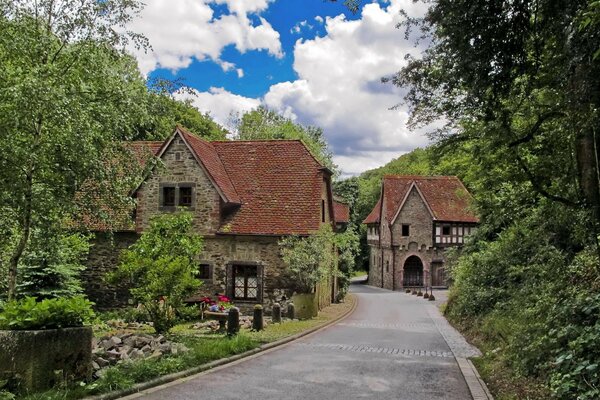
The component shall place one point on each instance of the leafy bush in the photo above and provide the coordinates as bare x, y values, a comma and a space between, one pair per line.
130, 314
162, 266
29, 313
309, 259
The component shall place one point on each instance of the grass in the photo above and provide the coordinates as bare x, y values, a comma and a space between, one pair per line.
204, 348
503, 381
356, 274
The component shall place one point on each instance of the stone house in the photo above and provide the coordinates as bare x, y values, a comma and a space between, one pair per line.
244, 195
414, 221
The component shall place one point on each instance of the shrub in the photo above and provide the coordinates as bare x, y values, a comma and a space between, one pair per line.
29, 313
161, 267
310, 259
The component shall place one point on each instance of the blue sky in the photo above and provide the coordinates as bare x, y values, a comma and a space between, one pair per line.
261, 70
311, 60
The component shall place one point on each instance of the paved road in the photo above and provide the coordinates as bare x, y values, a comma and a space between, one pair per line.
394, 346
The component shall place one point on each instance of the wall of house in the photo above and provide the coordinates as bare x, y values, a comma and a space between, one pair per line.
102, 259
416, 215
180, 166
325, 201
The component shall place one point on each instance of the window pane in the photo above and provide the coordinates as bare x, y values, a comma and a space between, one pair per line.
239, 281
204, 271
251, 292
185, 196
252, 282
239, 292
168, 196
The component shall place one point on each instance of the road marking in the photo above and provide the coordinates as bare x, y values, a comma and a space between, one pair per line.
384, 350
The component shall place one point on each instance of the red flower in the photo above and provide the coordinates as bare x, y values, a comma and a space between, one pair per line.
224, 299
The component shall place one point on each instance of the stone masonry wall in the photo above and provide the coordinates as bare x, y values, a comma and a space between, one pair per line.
102, 259
180, 166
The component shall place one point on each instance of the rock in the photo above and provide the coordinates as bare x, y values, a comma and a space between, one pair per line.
161, 339
130, 341
102, 362
95, 366
136, 354
165, 348
146, 349
113, 354
156, 354
116, 340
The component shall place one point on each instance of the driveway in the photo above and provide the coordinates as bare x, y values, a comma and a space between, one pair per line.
394, 346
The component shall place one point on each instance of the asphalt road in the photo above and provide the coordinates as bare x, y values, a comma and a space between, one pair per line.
391, 347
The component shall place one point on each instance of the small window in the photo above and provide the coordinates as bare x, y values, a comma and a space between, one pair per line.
387, 266
204, 272
245, 282
446, 230
168, 196
177, 156
405, 230
185, 197
322, 210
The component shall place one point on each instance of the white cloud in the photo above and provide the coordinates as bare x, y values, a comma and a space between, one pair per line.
339, 87
300, 26
220, 103
240, 72
319, 19
183, 30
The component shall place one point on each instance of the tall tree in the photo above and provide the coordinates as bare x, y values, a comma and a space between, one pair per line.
68, 95
519, 81
263, 123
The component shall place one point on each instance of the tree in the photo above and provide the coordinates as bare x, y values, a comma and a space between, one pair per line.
69, 95
263, 123
310, 259
165, 112
51, 265
162, 267
519, 81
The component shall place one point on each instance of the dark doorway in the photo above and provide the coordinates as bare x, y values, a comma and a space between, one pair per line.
413, 272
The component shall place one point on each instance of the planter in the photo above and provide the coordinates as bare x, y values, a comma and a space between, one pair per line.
39, 360
219, 316
306, 305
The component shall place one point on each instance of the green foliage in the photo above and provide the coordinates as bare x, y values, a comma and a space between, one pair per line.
161, 267
69, 94
267, 124
310, 259
30, 314
348, 246
165, 112
129, 314
51, 264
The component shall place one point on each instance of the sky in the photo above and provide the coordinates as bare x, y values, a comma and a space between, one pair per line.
311, 60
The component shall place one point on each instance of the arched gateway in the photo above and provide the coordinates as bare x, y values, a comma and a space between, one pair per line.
413, 272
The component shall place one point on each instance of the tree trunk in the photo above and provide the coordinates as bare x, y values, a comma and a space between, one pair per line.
587, 166
20, 248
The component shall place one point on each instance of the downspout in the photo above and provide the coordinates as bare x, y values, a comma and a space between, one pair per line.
393, 259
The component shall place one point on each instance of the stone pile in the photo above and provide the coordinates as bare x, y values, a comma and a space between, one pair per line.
245, 323
110, 350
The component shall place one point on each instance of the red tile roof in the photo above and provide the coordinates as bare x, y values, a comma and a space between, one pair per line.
374, 216
446, 197
341, 212
207, 154
273, 186
279, 183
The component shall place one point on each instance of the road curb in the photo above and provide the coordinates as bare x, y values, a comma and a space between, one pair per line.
221, 362
477, 386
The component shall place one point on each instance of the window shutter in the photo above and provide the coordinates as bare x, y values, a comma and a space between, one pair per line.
229, 281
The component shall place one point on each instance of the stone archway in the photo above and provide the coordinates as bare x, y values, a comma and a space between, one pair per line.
413, 272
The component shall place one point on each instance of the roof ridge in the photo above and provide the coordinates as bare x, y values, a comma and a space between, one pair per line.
257, 141
413, 177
